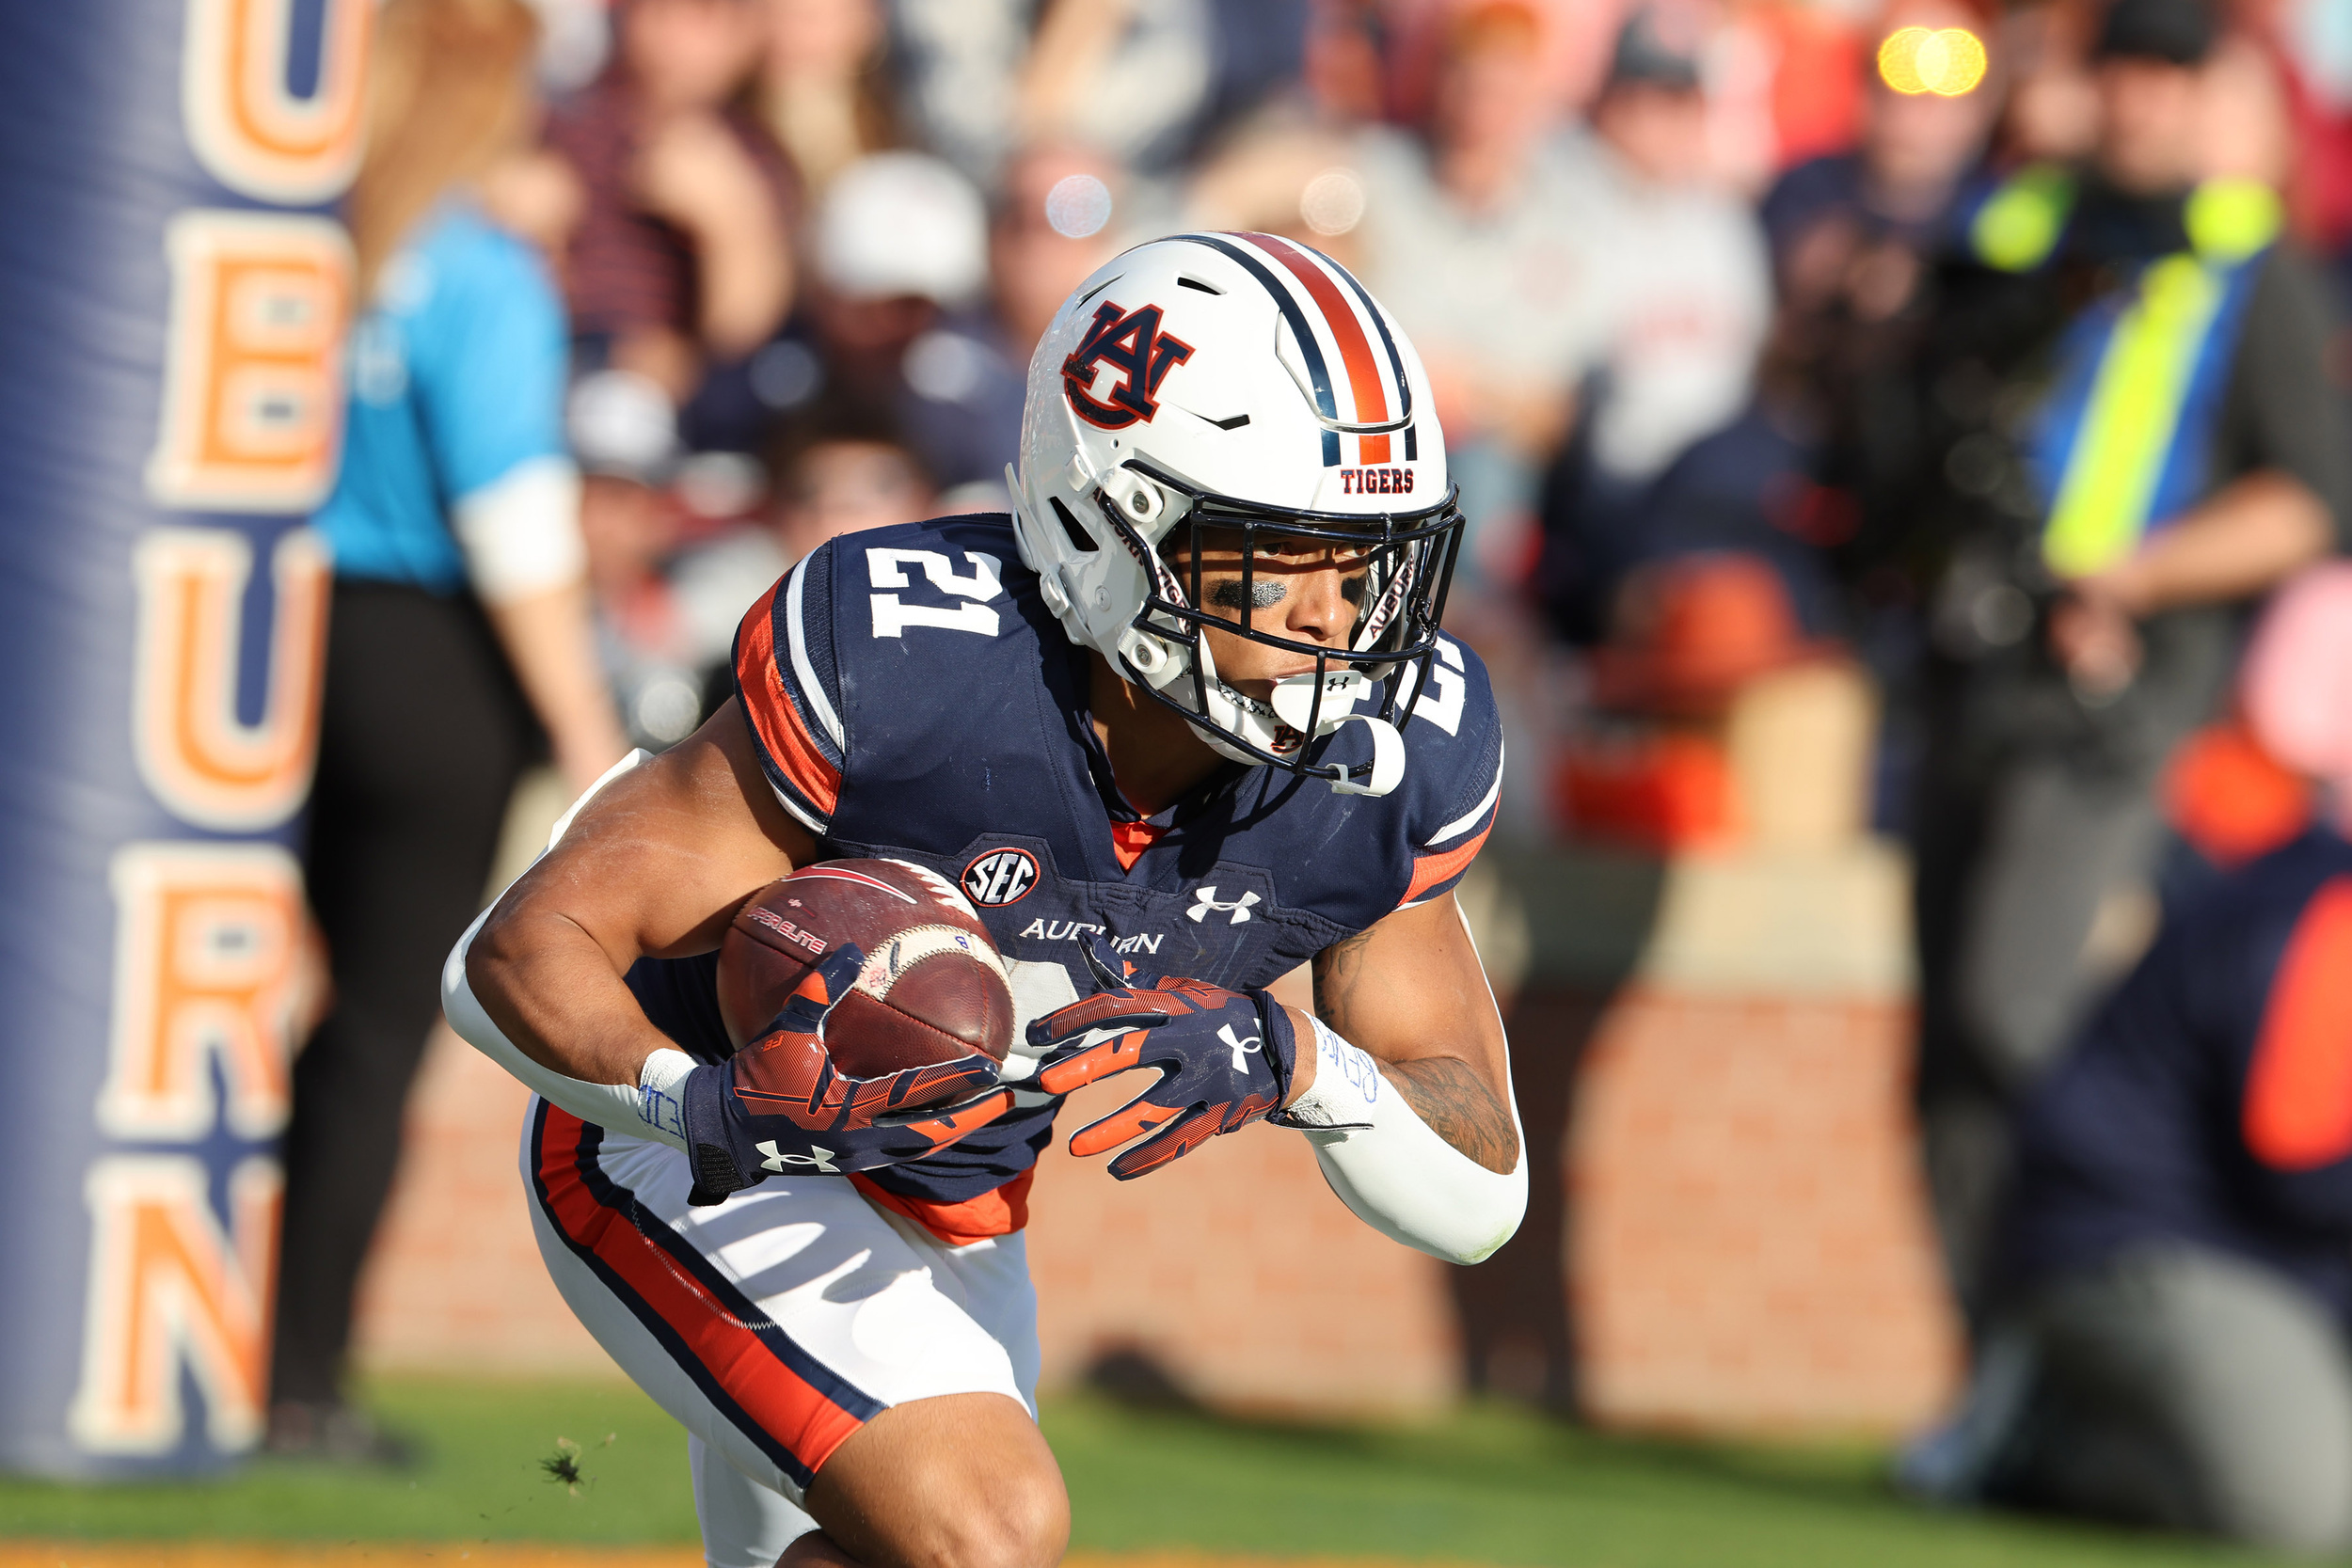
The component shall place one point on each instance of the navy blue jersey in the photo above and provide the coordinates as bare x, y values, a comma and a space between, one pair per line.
2211, 1099
912, 697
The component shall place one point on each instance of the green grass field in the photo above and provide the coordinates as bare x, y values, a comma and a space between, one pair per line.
1487, 1486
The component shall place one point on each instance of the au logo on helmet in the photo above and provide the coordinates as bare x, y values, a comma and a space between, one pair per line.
1130, 343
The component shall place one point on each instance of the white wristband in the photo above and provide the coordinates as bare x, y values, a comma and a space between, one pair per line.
1398, 1176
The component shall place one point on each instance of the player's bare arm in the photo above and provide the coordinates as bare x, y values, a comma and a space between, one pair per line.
652, 866
1411, 992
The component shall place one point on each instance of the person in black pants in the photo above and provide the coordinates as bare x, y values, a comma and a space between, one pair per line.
460, 615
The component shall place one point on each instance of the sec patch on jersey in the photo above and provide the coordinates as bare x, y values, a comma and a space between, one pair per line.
1000, 877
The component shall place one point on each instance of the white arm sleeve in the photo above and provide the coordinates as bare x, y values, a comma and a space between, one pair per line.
520, 532
1397, 1175
647, 1110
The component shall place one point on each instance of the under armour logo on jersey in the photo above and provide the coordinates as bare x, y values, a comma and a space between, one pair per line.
1205, 901
821, 1158
1243, 1048
1132, 344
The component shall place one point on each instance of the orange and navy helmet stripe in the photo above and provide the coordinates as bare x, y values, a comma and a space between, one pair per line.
1363, 375
1326, 321
792, 1406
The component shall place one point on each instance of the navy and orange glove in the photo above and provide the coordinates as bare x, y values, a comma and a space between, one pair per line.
1224, 1058
778, 1105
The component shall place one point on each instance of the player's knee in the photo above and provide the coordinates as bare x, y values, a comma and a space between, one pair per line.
1019, 1521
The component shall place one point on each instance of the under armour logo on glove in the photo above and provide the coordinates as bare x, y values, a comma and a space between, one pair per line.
779, 1104
818, 1159
1224, 1059
1206, 903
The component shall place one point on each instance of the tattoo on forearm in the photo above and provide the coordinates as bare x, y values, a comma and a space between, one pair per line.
1442, 1090
1335, 969
1446, 1094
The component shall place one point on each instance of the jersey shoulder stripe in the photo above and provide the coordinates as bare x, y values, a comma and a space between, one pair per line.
783, 652
1455, 739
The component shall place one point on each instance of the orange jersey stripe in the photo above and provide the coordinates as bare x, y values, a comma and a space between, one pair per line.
1429, 870
976, 1219
2298, 1092
774, 717
1363, 371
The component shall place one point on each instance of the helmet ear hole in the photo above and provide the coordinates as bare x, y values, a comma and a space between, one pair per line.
1134, 496
1080, 540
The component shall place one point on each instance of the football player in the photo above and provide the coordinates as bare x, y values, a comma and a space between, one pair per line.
1181, 722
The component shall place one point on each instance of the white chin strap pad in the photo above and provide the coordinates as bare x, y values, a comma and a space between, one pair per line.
1294, 701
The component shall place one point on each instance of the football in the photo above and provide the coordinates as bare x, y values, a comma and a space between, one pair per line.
932, 989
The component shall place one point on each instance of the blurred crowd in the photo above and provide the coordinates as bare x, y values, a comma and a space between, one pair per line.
1984, 355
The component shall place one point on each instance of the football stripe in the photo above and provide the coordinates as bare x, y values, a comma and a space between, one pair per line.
843, 874
1363, 372
793, 1407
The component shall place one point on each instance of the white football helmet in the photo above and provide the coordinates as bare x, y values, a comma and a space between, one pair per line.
1249, 384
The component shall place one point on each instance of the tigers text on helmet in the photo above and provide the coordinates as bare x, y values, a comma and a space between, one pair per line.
1246, 384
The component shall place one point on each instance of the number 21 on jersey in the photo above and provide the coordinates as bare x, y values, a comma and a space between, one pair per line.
892, 616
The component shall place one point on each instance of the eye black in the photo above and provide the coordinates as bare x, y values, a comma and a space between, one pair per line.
1262, 595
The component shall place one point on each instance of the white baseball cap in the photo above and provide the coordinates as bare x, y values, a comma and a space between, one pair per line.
902, 223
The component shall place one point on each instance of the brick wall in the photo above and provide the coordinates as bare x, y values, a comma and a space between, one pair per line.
1239, 1269
1748, 1251
454, 1283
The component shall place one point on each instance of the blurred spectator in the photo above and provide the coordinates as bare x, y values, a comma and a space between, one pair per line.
1140, 83
1478, 228
633, 521
842, 476
1687, 288
458, 614
842, 472
894, 325
1057, 220
1687, 294
2052, 111
1475, 229
1915, 168
1798, 62
680, 257
1284, 176
2121, 431
2174, 1341
1854, 236
824, 85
